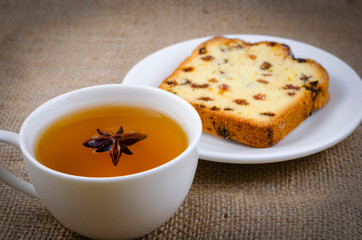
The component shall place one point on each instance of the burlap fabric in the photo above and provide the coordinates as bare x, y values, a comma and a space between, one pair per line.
51, 47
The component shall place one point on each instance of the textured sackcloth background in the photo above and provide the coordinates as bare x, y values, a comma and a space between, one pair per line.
51, 47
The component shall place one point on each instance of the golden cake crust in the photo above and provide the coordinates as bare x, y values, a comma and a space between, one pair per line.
252, 93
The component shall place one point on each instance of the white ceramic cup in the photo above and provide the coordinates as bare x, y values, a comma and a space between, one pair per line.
122, 207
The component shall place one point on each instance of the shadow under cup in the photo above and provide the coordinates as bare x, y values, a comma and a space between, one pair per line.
115, 207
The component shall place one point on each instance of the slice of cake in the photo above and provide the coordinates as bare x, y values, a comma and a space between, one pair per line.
252, 93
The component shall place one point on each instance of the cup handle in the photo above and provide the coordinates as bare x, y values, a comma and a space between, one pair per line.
9, 178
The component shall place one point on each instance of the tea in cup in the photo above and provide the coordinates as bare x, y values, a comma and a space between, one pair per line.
109, 141
109, 161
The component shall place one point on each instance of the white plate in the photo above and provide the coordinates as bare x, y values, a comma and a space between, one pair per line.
323, 129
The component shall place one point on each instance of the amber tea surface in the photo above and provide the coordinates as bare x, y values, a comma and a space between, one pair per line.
61, 146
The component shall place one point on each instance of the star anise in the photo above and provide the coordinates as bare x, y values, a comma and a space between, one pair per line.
115, 143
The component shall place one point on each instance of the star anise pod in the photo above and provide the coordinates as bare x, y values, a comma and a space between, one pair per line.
115, 143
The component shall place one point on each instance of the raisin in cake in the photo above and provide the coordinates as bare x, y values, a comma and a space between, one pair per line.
252, 93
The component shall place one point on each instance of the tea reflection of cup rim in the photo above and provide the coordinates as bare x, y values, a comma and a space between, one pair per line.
194, 143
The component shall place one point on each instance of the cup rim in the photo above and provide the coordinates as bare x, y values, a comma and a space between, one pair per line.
191, 145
